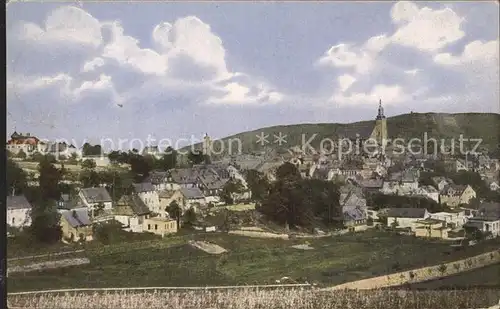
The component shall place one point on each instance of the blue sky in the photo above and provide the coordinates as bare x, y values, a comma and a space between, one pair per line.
173, 70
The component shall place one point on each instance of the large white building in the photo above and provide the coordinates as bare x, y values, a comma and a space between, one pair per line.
18, 211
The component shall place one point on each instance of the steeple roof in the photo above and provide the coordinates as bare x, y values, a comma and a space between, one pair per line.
380, 114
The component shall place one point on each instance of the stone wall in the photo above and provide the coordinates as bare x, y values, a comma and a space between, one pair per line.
258, 234
425, 273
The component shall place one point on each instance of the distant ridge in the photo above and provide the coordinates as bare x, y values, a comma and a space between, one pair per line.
413, 125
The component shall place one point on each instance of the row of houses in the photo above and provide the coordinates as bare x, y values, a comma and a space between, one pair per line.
419, 221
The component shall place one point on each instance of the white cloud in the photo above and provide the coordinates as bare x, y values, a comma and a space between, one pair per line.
476, 52
392, 94
186, 52
126, 51
425, 28
66, 24
93, 64
235, 93
412, 72
345, 81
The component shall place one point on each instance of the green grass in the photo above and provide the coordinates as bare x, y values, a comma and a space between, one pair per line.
171, 262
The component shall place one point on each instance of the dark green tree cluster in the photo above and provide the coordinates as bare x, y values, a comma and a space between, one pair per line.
298, 202
379, 200
91, 150
258, 184
232, 187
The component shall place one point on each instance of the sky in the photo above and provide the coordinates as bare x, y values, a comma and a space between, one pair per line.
123, 70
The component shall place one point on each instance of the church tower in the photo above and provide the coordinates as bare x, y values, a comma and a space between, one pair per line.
380, 130
207, 145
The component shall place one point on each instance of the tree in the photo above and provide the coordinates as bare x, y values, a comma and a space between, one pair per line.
175, 212
73, 159
21, 155
45, 218
99, 209
16, 178
49, 179
89, 164
196, 157
288, 171
89, 150
258, 184
140, 166
232, 187
189, 217
168, 160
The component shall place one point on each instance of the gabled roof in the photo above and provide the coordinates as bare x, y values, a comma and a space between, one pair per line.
143, 187
454, 190
157, 177
18, 202
371, 183
96, 195
192, 193
407, 212
77, 218
212, 182
135, 203
490, 209
354, 213
166, 193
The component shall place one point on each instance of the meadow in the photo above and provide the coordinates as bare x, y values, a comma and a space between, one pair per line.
172, 262
260, 299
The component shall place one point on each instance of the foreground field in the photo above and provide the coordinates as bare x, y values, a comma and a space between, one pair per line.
275, 299
172, 262
486, 277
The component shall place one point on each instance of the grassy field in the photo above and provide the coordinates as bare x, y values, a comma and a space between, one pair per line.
172, 262
260, 299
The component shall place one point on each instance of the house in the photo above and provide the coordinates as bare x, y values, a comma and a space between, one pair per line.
24, 143
354, 217
182, 178
148, 194
406, 217
441, 182
429, 192
76, 225
453, 219
100, 160
18, 211
211, 186
131, 211
160, 226
94, 197
168, 196
493, 185
193, 198
455, 195
409, 180
152, 151
485, 224
159, 180
371, 185
431, 228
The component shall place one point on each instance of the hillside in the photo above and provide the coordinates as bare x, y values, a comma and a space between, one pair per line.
407, 126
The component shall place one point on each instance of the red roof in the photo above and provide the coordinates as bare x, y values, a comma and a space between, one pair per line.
24, 140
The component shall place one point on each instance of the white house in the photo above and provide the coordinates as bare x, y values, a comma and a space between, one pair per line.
18, 211
455, 219
148, 195
92, 197
193, 198
429, 192
441, 182
100, 160
131, 212
406, 217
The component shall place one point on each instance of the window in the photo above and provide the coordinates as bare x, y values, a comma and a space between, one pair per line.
13, 221
149, 226
156, 227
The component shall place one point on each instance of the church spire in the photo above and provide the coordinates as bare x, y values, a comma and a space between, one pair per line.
380, 114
